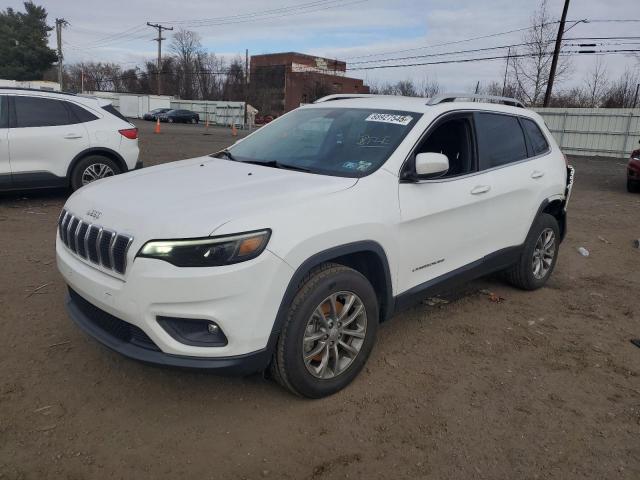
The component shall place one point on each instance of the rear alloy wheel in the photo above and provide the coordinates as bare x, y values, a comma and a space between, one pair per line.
329, 332
170, 120
539, 255
92, 168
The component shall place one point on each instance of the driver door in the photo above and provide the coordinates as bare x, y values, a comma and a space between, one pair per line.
443, 220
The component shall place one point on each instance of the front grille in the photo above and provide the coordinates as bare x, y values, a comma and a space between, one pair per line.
113, 326
93, 243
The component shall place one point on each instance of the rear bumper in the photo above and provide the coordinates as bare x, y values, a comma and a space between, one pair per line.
133, 343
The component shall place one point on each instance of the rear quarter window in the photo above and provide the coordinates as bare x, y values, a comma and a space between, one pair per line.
82, 115
538, 141
112, 110
500, 139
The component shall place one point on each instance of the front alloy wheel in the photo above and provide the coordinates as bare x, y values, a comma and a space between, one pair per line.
334, 334
328, 333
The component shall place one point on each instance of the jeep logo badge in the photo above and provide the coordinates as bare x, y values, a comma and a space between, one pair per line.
94, 214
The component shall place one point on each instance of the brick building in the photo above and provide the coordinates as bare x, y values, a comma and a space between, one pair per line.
280, 82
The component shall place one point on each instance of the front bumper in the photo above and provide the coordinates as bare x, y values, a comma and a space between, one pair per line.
133, 343
243, 299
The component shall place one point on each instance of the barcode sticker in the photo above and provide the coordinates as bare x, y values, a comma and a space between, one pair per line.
389, 118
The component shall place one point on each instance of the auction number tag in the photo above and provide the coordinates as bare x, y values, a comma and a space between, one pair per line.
389, 118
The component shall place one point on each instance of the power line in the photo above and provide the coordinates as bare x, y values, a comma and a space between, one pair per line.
497, 57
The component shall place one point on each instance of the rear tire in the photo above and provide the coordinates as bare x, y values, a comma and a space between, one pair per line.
538, 257
92, 168
317, 322
633, 187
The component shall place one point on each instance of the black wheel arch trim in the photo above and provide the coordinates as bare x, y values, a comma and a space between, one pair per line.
560, 215
97, 151
365, 246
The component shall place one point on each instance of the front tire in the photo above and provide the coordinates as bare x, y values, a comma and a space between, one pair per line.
92, 168
329, 332
170, 120
539, 255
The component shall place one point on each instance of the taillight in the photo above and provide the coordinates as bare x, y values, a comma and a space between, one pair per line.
130, 133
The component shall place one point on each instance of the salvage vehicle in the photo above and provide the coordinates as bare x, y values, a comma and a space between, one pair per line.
178, 116
52, 139
633, 172
284, 252
153, 114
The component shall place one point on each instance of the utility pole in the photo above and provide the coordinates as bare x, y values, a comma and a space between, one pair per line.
506, 69
246, 84
159, 40
556, 53
60, 24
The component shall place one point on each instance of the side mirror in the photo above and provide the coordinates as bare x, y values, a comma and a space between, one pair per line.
431, 164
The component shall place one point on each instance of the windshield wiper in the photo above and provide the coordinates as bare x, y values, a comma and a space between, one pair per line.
227, 154
276, 164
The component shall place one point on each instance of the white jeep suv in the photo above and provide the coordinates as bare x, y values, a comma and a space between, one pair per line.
53, 139
284, 252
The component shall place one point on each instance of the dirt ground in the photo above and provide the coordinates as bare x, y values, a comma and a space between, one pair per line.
544, 384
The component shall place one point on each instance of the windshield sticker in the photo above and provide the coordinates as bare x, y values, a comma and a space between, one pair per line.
361, 166
389, 118
369, 141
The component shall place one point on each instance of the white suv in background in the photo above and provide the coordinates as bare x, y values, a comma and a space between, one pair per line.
288, 249
50, 139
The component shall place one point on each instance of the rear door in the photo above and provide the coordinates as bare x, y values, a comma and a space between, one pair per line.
5, 165
44, 137
516, 176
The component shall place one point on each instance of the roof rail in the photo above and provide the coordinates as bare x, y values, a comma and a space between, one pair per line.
344, 96
36, 90
450, 97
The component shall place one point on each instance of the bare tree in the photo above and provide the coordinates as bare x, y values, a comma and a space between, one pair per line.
622, 91
428, 87
186, 46
531, 64
596, 83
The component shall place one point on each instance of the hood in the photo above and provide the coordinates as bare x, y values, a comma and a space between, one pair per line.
192, 198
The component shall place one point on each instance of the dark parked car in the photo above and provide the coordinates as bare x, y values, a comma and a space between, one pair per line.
184, 116
153, 114
633, 172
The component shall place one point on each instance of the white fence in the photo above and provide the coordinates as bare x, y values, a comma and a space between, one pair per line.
607, 132
217, 112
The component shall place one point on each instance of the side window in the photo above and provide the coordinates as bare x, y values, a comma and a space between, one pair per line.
40, 112
500, 140
537, 139
452, 138
4, 112
81, 115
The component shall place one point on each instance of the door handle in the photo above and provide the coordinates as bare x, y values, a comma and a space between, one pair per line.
72, 136
537, 174
477, 190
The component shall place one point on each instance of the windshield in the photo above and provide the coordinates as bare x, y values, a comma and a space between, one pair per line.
347, 142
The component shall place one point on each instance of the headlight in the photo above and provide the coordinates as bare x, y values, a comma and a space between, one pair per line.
208, 252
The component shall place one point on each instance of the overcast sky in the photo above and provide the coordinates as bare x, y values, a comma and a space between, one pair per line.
115, 30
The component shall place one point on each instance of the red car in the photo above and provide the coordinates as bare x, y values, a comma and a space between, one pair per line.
633, 172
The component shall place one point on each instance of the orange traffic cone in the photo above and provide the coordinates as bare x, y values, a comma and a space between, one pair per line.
234, 131
157, 129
